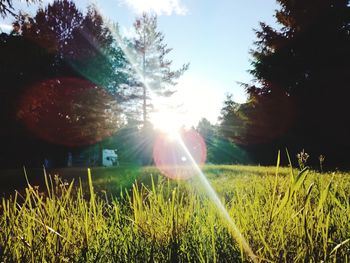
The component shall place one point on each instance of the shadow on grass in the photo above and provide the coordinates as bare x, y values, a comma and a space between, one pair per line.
110, 180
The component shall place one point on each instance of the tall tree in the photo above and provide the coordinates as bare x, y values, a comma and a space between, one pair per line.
61, 73
231, 121
154, 76
83, 45
95, 53
52, 27
206, 129
301, 69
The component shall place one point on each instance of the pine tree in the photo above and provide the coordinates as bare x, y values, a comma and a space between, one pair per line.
231, 124
301, 71
153, 73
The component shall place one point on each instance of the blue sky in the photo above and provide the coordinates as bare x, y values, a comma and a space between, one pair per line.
213, 36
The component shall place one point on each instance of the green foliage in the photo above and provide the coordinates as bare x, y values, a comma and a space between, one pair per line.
302, 159
222, 151
134, 145
83, 42
232, 123
219, 149
284, 219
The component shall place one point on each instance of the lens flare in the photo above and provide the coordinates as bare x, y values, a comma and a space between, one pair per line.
68, 111
170, 157
180, 157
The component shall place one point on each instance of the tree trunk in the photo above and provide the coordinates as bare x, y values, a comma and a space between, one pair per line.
144, 95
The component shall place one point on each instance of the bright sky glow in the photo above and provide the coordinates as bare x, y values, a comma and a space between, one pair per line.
168, 121
5, 27
215, 37
186, 106
160, 7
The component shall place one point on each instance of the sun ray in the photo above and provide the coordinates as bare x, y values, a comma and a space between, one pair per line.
216, 200
169, 122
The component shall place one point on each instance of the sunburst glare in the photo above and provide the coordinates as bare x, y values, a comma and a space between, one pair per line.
179, 152
167, 122
170, 157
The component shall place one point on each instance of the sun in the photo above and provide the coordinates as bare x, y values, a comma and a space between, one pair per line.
173, 114
168, 122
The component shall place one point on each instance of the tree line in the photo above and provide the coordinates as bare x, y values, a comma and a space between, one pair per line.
69, 78
102, 82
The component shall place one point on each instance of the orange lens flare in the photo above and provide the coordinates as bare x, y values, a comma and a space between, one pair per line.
172, 160
68, 111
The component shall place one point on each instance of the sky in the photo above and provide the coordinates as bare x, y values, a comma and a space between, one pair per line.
213, 36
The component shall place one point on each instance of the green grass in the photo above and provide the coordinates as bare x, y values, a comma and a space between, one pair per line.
285, 217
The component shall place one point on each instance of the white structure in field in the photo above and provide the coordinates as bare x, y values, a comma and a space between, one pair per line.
109, 158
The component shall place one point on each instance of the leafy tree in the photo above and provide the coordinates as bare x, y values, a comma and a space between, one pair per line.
52, 27
206, 129
68, 111
301, 69
153, 73
62, 73
83, 45
219, 149
232, 123
22, 62
95, 53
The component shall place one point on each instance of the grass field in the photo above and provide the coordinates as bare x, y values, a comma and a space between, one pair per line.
286, 216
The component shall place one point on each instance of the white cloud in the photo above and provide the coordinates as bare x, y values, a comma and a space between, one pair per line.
160, 7
5, 28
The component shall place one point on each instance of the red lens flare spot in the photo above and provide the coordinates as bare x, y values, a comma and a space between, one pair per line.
68, 111
171, 157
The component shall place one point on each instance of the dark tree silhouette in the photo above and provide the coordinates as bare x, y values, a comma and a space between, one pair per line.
301, 69
52, 27
83, 43
61, 72
22, 63
95, 53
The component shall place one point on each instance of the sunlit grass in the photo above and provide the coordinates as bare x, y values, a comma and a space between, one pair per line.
285, 218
